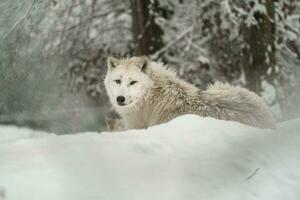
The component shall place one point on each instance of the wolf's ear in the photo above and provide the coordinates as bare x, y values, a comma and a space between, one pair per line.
142, 63
112, 63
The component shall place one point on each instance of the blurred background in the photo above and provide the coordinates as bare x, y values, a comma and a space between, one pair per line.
53, 53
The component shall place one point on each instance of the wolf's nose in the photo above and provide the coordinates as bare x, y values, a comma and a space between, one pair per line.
120, 99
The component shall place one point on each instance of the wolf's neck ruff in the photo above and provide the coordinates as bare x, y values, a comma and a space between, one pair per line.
159, 96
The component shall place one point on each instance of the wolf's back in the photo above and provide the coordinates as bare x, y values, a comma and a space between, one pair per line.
241, 105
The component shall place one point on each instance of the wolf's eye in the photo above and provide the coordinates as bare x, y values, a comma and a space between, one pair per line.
118, 81
133, 82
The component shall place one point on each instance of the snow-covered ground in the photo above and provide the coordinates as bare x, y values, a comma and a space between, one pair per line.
12, 133
188, 158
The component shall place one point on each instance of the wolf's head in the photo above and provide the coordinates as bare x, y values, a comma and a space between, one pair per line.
127, 82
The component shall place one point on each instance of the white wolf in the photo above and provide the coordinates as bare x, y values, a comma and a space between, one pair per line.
146, 93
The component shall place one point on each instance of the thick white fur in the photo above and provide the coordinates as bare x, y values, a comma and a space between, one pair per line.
159, 96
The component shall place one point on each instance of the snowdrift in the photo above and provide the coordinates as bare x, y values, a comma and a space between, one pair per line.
188, 158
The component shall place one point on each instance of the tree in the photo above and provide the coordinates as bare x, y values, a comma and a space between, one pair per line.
147, 35
259, 52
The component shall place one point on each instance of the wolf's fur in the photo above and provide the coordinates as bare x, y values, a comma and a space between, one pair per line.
113, 121
159, 96
114, 124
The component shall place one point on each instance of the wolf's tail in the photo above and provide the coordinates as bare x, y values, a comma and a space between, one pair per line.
239, 104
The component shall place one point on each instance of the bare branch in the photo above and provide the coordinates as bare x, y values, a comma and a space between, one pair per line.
154, 56
27, 13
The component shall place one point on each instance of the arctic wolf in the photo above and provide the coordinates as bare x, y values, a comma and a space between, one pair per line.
146, 93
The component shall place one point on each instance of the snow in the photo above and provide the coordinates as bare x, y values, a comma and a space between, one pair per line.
12, 133
188, 158
269, 95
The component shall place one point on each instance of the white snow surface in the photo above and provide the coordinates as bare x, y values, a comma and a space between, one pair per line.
12, 133
188, 158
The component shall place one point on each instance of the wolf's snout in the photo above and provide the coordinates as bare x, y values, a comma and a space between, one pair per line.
120, 100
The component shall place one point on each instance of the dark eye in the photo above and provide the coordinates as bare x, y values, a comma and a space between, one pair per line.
118, 81
133, 82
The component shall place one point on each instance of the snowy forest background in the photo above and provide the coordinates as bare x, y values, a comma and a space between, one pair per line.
53, 53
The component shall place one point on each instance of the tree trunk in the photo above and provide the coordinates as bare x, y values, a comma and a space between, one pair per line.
147, 34
259, 54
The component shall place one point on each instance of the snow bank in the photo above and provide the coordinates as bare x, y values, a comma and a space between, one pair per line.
189, 158
12, 133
